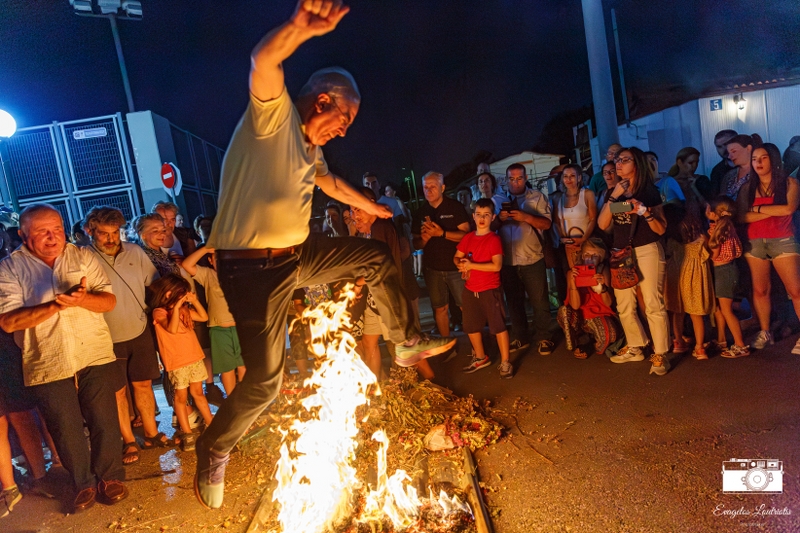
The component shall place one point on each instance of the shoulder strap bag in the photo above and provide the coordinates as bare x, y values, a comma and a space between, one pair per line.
623, 263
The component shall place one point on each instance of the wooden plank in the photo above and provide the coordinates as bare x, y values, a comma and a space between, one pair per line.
482, 521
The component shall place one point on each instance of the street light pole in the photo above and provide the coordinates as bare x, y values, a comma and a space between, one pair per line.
121, 58
112, 10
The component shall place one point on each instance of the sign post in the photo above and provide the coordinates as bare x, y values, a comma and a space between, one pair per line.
171, 179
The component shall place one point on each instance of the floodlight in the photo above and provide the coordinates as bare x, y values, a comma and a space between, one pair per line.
7, 124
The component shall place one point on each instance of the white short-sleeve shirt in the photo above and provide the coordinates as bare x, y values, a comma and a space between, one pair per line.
73, 338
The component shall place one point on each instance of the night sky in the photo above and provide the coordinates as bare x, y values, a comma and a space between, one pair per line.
440, 80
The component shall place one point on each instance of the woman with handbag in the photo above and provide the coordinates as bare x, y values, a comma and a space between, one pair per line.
575, 212
634, 210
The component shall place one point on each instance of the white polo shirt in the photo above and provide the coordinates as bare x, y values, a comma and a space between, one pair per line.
268, 179
73, 338
130, 272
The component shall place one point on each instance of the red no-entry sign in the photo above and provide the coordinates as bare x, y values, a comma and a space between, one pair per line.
168, 175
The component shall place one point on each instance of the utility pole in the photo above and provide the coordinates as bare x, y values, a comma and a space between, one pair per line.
605, 110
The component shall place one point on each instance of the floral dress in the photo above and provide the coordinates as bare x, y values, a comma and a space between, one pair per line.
697, 286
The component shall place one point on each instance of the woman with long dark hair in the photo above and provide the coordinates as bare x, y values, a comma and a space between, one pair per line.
640, 225
766, 204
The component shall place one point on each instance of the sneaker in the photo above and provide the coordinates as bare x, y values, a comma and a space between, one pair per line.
762, 340
209, 480
628, 354
214, 396
422, 349
195, 419
8, 499
518, 345
546, 347
506, 370
477, 364
796, 349
660, 364
735, 351
188, 441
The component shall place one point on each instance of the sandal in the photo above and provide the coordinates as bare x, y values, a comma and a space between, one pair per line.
580, 354
130, 453
159, 440
137, 422
700, 354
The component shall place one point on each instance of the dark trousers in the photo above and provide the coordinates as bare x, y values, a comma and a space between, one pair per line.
259, 293
64, 409
531, 279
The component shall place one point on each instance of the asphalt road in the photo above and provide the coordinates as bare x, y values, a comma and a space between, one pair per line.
592, 446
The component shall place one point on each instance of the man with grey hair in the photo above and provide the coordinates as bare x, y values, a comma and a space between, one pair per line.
52, 297
130, 271
439, 226
272, 165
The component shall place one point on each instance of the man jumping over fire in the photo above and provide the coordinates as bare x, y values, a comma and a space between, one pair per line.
261, 236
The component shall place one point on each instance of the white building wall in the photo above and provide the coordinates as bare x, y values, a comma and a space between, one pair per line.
773, 113
783, 115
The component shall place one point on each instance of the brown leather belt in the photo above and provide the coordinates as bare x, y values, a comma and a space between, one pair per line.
259, 253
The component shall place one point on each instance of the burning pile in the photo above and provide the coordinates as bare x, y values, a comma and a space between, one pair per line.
339, 438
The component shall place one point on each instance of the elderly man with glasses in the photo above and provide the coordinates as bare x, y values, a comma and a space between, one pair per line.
261, 232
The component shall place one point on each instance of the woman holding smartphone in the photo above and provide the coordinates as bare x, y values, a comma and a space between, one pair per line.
575, 212
635, 211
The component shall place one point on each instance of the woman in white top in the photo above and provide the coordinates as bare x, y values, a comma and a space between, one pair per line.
575, 212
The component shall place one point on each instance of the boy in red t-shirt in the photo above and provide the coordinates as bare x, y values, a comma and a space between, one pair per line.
480, 258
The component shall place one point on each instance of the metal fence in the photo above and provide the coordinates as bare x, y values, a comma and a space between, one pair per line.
74, 166
79, 164
200, 163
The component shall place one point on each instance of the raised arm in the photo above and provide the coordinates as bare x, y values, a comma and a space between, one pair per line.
311, 18
190, 261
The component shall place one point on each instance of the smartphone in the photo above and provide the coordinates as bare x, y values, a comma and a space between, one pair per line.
621, 207
506, 206
72, 289
585, 277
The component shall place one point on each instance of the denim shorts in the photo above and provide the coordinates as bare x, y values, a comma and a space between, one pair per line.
771, 248
440, 283
726, 279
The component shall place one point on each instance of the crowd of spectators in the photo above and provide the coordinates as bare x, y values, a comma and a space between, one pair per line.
90, 325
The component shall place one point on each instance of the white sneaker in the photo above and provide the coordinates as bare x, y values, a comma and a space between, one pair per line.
628, 355
796, 349
762, 340
195, 419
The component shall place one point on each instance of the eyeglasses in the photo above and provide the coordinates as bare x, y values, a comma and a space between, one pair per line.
622, 160
347, 120
608, 173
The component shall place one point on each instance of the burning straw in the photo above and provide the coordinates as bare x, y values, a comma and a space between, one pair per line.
317, 484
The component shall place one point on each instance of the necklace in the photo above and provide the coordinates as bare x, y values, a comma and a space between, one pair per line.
765, 191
